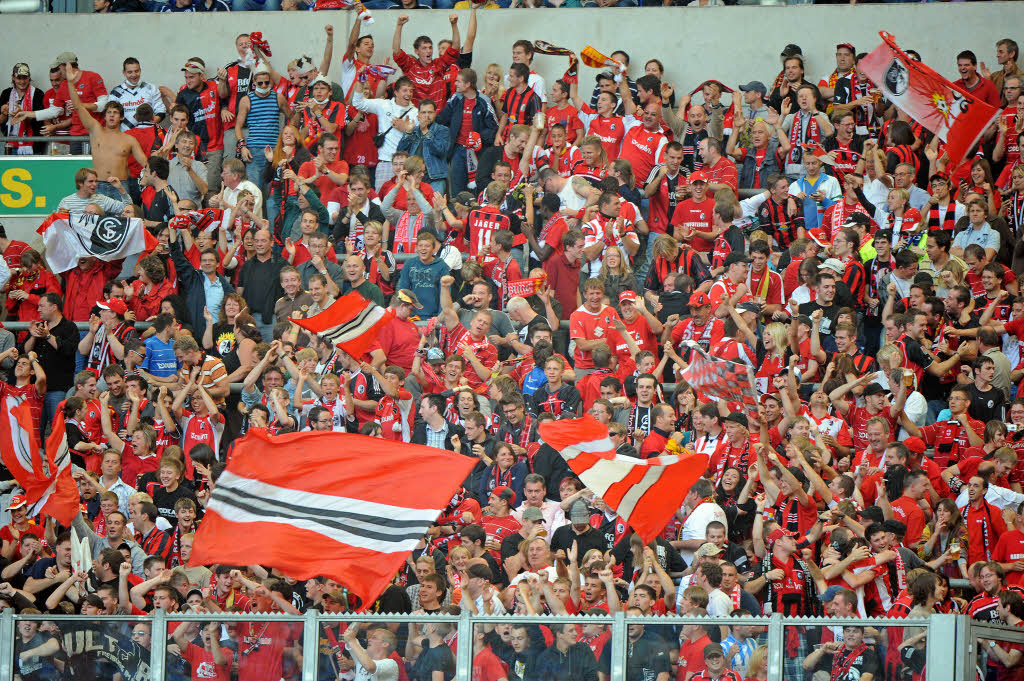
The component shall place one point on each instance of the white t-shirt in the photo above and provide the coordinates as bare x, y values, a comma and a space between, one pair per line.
387, 670
696, 525
719, 605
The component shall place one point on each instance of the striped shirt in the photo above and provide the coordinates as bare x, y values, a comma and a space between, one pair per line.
212, 372
263, 121
73, 203
520, 108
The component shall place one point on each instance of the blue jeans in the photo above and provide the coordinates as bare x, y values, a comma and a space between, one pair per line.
53, 398
254, 168
255, 5
457, 174
266, 330
79, 357
107, 189
438, 185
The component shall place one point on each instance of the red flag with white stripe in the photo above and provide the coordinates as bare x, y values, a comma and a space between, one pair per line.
49, 487
643, 492
954, 115
345, 506
350, 323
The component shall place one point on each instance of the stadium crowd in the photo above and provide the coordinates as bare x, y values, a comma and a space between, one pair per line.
546, 253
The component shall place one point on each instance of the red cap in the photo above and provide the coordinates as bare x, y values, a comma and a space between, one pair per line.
628, 295
503, 492
17, 501
699, 299
778, 533
115, 305
818, 236
915, 444
697, 176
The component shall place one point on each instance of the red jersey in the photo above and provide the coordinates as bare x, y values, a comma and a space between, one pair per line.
261, 649
591, 326
691, 657
643, 148
203, 667
707, 335
857, 418
427, 80
690, 214
663, 202
985, 525
481, 223
907, 511
611, 130
725, 289
1009, 549
359, 147
949, 439
459, 339
90, 87
567, 116
487, 666
765, 284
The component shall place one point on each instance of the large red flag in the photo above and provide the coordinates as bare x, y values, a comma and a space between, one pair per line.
341, 505
48, 485
351, 323
644, 492
957, 117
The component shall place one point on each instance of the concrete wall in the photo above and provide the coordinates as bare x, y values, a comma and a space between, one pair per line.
727, 43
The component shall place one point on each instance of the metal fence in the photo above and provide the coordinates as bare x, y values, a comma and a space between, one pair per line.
950, 653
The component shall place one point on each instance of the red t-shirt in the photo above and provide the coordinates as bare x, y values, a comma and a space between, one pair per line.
324, 183
1010, 548
487, 666
691, 657
90, 87
569, 117
203, 668
359, 147
467, 120
698, 216
591, 326
910, 514
485, 352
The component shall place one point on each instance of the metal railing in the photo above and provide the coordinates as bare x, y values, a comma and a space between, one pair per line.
46, 138
944, 632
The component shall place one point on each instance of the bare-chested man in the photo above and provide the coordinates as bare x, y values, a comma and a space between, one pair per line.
110, 147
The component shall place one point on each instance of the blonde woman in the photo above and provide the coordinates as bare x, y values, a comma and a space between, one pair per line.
616, 274
900, 218
492, 86
595, 158
757, 664
952, 274
776, 349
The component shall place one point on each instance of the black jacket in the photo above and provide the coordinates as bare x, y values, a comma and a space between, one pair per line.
190, 282
419, 436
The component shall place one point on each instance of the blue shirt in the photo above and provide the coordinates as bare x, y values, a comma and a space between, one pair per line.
425, 282
214, 295
160, 360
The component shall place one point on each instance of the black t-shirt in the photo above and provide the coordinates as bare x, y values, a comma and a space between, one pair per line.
438, 658
865, 663
986, 404
565, 536
828, 320
165, 501
646, 658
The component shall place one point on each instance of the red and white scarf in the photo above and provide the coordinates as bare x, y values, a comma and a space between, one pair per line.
405, 238
797, 137
21, 129
842, 662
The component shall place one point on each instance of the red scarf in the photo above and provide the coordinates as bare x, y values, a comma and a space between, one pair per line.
405, 238
842, 662
944, 223
797, 138
21, 129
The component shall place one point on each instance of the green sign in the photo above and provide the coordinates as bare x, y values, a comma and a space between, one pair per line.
34, 185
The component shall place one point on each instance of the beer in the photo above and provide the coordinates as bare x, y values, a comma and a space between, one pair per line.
954, 549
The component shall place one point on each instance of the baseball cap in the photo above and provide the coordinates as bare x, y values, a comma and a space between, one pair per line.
698, 176
749, 306
465, 199
20, 69
938, 176
872, 389
193, 591
895, 526
735, 257
435, 355
406, 296
115, 305
506, 493
193, 66
627, 295
66, 58
481, 571
338, 596
17, 501
699, 299
738, 417
818, 236
791, 50
708, 549
915, 444
532, 513
319, 79
713, 650
754, 86
830, 593
857, 219
847, 46
777, 534
579, 515
833, 264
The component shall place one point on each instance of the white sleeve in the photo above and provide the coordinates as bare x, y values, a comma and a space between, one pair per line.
49, 113
585, 119
5, 273
101, 102
630, 122
750, 206
158, 101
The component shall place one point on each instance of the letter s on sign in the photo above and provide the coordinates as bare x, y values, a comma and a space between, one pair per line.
13, 180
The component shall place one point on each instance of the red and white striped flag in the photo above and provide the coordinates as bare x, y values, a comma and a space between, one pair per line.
644, 492
341, 505
49, 487
955, 116
350, 323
